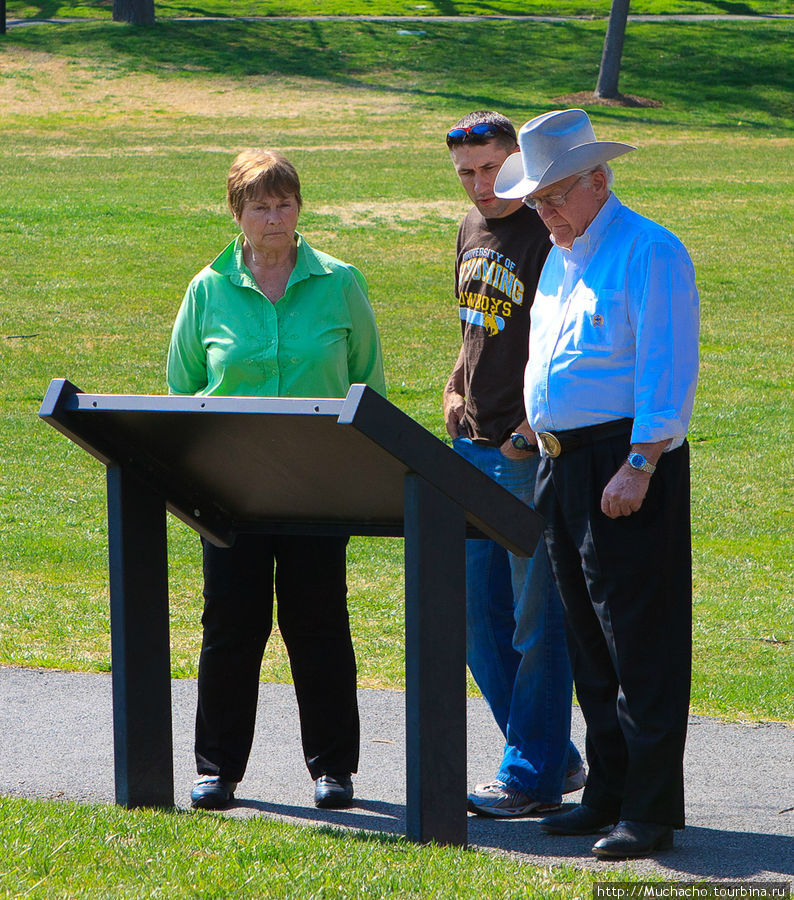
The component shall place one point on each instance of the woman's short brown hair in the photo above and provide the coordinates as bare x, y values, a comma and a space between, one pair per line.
260, 173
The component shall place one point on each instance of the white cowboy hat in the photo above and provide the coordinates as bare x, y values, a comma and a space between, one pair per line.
553, 146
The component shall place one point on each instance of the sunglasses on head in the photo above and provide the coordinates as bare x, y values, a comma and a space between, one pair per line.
482, 131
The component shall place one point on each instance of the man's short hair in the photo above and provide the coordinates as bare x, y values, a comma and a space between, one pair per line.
505, 132
608, 172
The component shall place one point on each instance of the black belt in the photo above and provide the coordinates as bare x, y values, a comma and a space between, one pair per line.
556, 442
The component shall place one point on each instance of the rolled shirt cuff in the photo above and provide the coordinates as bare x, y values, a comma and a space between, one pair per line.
652, 429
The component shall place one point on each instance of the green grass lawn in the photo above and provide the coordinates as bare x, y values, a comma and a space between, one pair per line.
223, 8
81, 852
113, 160
115, 146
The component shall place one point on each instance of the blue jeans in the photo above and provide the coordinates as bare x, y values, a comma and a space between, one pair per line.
516, 647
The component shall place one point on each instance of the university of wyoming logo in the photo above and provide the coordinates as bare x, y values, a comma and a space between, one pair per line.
481, 270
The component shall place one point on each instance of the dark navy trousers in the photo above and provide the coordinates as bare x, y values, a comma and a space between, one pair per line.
626, 586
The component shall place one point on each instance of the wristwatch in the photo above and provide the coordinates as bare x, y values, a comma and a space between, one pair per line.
638, 461
520, 442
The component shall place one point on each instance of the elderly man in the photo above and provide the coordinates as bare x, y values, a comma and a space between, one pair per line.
609, 389
515, 631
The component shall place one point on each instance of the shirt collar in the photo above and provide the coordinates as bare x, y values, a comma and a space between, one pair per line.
308, 262
230, 262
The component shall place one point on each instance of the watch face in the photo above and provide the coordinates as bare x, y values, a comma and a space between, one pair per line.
519, 441
638, 461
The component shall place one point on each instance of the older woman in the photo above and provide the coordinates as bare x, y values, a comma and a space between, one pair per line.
271, 316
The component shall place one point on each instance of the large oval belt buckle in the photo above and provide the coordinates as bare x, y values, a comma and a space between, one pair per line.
550, 443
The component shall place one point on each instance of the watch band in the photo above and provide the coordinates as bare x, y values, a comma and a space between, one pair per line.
638, 461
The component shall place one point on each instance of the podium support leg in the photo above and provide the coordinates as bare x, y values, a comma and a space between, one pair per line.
140, 651
435, 665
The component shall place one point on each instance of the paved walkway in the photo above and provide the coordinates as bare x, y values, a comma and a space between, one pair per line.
56, 742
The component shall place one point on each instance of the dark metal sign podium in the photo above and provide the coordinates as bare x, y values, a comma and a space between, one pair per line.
227, 465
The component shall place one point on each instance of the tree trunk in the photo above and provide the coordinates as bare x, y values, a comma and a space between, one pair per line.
136, 12
613, 49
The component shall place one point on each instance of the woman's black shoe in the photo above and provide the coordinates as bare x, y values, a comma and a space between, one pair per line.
333, 791
211, 792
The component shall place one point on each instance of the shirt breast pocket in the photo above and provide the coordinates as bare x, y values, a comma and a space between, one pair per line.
601, 322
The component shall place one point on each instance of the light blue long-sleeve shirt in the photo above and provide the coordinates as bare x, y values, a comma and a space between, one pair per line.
614, 331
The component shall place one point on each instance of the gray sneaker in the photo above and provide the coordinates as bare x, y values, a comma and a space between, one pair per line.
575, 780
499, 802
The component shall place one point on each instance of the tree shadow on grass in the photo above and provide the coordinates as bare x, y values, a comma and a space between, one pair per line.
734, 9
48, 9
707, 75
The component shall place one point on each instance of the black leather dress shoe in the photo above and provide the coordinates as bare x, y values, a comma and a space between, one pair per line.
581, 820
211, 792
333, 791
628, 840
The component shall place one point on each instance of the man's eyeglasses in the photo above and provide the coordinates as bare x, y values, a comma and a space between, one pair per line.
482, 131
556, 201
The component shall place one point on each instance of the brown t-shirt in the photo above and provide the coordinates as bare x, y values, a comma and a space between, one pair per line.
496, 274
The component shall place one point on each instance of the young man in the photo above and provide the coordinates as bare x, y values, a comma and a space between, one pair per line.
515, 634
610, 384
